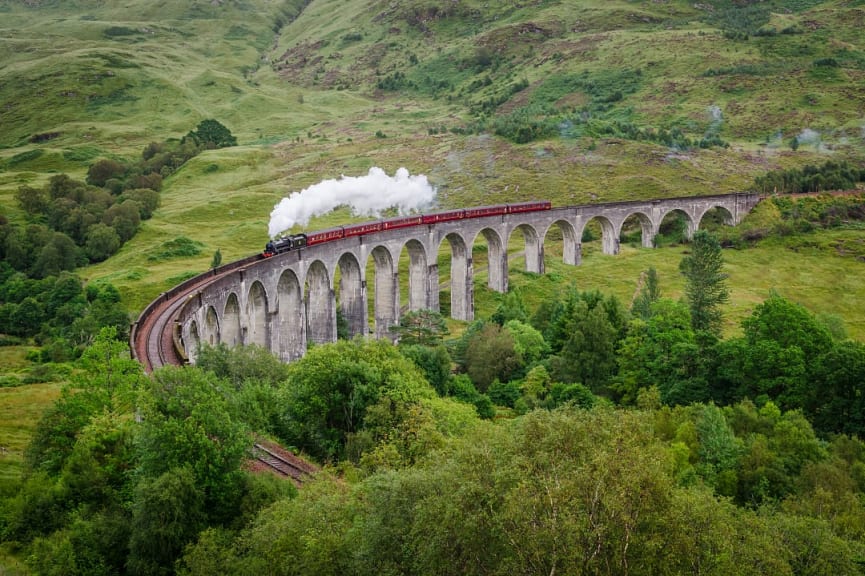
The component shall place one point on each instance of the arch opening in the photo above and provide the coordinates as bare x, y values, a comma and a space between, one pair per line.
211, 327
232, 335
194, 342
490, 258
637, 231
676, 227
715, 219
599, 234
413, 264
256, 314
560, 242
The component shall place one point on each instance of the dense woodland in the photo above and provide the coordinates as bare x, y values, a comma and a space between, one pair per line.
586, 436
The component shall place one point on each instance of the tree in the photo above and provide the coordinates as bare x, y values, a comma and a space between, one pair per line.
528, 342
124, 218
217, 259
588, 355
434, 361
168, 512
187, 421
511, 307
836, 396
491, 354
705, 283
34, 201
661, 351
212, 134
59, 254
103, 170
147, 199
102, 242
329, 390
650, 292
425, 327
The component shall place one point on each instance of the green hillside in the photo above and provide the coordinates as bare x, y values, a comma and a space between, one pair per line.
496, 101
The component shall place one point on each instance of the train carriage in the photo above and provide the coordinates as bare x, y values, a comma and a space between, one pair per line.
361, 229
482, 211
320, 236
529, 206
444, 216
401, 222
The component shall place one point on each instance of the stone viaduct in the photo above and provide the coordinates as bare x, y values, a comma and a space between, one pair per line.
285, 301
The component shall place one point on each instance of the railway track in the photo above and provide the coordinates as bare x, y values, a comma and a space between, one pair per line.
153, 340
282, 462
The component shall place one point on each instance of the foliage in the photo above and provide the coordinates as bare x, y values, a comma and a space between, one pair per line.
328, 392
705, 283
649, 293
58, 311
210, 134
434, 362
567, 492
661, 351
424, 327
491, 354
830, 175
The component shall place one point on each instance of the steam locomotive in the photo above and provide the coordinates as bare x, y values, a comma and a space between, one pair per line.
296, 241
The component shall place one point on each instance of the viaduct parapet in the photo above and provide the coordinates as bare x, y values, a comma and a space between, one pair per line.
284, 302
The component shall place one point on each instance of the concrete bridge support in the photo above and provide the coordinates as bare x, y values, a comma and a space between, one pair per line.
418, 283
320, 305
462, 281
386, 302
534, 249
497, 261
352, 295
289, 323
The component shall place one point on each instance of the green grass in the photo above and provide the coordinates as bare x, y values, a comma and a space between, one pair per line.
20, 410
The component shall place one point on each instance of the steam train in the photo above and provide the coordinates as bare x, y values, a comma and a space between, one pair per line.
296, 241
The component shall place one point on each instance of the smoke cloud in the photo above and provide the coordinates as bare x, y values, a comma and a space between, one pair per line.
812, 137
366, 196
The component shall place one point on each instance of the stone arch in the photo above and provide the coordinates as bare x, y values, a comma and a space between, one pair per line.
194, 342
211, 327
462, 288
231, 332
256, 314
386, 298
497, 260
290, 329
352, 303
690, 224
722, 212
571, 246
647, 229
418, 276
534, 248
609, 239
320, 305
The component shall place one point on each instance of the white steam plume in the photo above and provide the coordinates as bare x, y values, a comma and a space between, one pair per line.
365, 195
